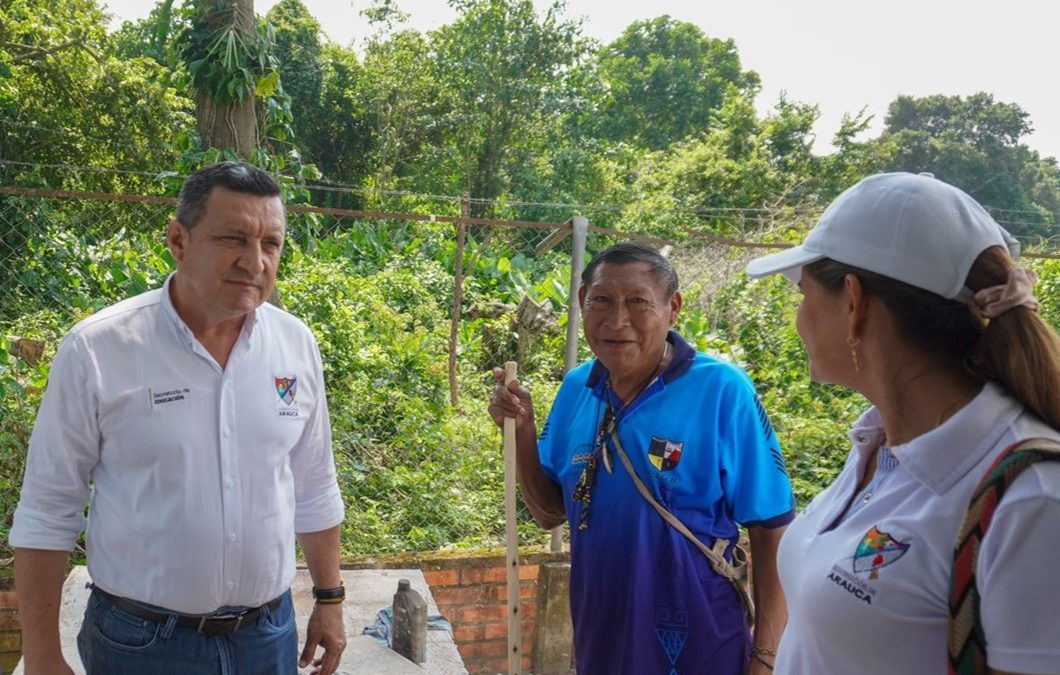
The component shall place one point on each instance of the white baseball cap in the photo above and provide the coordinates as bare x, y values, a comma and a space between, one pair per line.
909, 227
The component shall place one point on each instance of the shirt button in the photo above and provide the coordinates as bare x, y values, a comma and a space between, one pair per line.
867, 497
229, 482
232, 537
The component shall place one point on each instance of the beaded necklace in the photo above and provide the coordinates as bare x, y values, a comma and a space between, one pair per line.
583, 491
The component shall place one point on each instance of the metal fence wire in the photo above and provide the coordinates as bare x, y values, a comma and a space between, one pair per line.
412, 310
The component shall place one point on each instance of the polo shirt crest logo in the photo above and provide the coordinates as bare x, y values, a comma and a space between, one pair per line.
664, 454
877, 549
286, 387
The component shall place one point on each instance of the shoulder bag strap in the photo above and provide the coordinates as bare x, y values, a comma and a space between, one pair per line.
716, 559
967, 643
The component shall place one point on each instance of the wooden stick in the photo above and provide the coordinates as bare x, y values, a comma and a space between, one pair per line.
511, 530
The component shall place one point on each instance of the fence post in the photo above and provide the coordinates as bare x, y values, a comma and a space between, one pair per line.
458, 296
579, 235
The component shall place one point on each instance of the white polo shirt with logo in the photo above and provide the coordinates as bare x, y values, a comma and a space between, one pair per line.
201, 475
869, 595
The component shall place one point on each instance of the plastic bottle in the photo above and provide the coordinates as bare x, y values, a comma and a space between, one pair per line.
409, 623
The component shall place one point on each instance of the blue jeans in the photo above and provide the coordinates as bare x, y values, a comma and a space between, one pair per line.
115, 642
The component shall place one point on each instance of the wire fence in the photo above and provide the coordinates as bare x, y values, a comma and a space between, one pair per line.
412, 310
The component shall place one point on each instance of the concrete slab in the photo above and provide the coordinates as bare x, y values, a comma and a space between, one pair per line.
367, 592
554, 646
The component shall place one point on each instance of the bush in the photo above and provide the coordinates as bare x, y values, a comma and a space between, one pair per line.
416, 473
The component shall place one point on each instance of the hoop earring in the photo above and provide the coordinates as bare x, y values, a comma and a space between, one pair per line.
853, 344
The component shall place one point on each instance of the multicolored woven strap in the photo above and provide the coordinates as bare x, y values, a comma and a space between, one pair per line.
967, 644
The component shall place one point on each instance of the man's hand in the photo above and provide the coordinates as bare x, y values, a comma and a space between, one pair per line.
511, 401
327, 630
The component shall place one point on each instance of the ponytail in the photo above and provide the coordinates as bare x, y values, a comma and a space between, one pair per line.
1016, 349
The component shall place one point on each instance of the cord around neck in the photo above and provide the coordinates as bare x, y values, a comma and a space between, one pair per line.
644, 383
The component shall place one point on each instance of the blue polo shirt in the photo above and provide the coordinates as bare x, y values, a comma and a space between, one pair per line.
643, 598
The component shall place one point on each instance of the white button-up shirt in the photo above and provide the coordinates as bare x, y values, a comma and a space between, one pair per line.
200, 475
870, 595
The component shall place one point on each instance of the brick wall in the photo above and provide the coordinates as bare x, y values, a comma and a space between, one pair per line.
10, 628
471, 591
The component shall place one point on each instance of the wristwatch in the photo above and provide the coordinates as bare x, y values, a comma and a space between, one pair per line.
330, 596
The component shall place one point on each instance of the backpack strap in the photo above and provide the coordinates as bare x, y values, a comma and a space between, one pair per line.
967, 642
715, 556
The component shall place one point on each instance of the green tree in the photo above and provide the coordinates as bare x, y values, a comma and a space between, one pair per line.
664, 80
733, 178
67, 98
974, 143
500, 67
404, 110
338, 135
225, 60
152, 35
853, 159
298, 54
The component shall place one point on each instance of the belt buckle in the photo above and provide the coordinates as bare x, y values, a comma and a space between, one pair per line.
223, 618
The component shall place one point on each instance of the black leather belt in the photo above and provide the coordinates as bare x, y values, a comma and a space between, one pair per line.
207, 624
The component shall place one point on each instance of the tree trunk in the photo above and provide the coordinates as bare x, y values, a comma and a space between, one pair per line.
230, 125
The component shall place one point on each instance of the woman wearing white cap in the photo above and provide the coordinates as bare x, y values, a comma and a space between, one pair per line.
911, 296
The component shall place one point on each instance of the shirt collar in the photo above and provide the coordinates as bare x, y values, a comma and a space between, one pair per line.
170, 311
684, 355
185, 333
944, 455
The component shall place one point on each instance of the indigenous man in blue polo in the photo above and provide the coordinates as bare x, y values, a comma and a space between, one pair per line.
644, 599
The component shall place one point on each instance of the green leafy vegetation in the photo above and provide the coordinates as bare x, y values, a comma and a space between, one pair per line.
653, 133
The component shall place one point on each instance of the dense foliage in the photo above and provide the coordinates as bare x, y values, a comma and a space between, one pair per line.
654, 133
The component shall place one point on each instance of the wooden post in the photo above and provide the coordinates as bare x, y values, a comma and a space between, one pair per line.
511, 531
579, 235
458, 297
580, 230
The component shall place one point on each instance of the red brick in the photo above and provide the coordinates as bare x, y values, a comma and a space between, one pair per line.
495, 631
528, 572
10, 641
471, 632
487, 613
464, 596
527, 593
441, 578
9, 620
483, 575
496, 666
488, 649
528, 611
8, 599
528, 590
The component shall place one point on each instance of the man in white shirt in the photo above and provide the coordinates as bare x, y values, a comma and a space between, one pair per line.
198, 415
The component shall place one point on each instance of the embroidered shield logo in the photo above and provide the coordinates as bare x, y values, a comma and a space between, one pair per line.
286, 388
877, 549
664, 454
